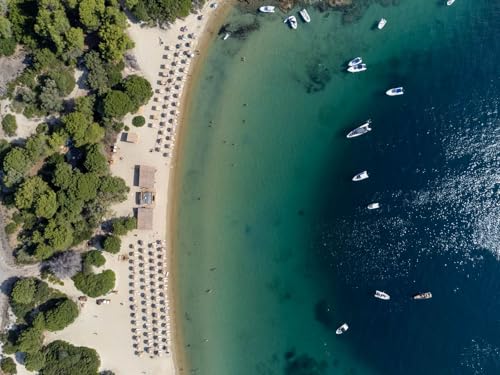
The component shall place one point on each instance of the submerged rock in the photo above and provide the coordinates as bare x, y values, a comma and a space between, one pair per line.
304, 365
318, 77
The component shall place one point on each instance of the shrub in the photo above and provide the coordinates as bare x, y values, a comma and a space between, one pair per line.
10, 228
9, 125
95, 285
8, 366
138, 121
123, 225
65, 265
61, 316
93, 258
112, 244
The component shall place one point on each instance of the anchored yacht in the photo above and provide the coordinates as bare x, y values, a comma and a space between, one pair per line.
360, 130
396, 91
305, 16
373, 206
357, 68
382, 23
291, 21
343, 328
355, 61
267, 9
360, 176
382, 295
426, 295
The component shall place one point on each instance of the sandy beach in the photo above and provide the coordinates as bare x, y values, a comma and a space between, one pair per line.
145, 287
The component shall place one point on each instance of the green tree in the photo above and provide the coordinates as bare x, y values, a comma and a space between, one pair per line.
64, 358
95, 285
34, 361
10, 228
95, 161
37, 147
113, 189
85, 187
138, 90
8, 366
30, 340
15, 165
9, 124
50, 100
116, 104
122, 226
114, 42
93, 258
64, 79
61, 316
23, 291
63, 176
82, 129
112, 244
91, 12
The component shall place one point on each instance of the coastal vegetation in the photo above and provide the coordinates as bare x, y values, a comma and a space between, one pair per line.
56, 182
160, 11
8, 366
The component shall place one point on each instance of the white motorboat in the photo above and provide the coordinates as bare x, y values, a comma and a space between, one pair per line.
450, 2
381, 23
426, 295
305, 16
396, 91
360, 176
357, 68
343, 328
291, 21
355, 61
373, 206
267, 9
226, 36
382, 295
360, 130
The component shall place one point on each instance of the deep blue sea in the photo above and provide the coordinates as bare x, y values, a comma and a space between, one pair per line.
276, 247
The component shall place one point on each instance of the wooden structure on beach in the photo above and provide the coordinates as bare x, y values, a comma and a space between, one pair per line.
144, 218
146, 177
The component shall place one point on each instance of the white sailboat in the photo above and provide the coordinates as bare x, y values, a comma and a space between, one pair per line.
373, 206
450, 2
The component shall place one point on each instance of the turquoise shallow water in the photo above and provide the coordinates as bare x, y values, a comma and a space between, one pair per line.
275, 248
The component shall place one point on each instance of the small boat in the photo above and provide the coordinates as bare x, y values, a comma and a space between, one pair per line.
266, 9
382, 23
426, 295
396, 91
360, 130
360, 176
343, 328
373, 206
450, 2
382, 295
226, 36
355, 61
305, 16
357, 68
291, 21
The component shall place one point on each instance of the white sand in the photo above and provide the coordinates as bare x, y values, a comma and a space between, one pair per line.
107, 328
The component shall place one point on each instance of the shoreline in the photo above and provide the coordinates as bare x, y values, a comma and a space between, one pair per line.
206, 39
